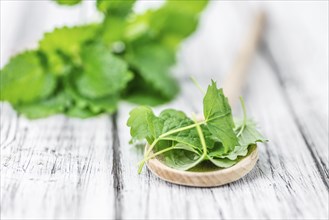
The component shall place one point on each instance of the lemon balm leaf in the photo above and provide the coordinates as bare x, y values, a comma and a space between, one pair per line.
218, 115
153, 63
144, 124
103, 73
68, 2
63, 46
24, 80
115, 8
43, 108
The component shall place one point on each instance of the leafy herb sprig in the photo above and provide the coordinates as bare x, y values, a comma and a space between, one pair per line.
86, 70
184, 143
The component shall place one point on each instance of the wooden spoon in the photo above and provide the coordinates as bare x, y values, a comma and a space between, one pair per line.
232, 88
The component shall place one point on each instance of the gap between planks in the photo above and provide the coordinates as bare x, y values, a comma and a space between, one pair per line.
116, 169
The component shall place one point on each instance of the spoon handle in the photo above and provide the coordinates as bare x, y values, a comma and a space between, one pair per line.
236, 78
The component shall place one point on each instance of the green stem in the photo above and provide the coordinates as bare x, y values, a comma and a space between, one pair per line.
140, 168
149, 150
146, 154
202, 140
156, 154
244, 117
169, 133
151, 147
197, 85
181, 129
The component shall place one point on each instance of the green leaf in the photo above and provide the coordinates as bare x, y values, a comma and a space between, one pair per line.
113, 29
142, 93
139, 27
63, 46
153, 63
106, 104
176, 20
233, 157
218, 115
53, 105
144, 124
250, 134
67, 39
247, 134
239, 151
222, 162
115, 7
103, 73
168, 25
77, 112
186, 6
68, 2
101, 59
181, 158
24, 80
173, 119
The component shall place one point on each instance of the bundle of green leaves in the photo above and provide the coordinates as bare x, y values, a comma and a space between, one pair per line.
85, 70
187, 144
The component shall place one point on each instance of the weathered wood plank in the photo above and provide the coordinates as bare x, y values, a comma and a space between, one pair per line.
56, 167
297, 49
296, 179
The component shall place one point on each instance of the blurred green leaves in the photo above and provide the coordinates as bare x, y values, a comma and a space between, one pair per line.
68, 2
24, 79
86, 70
115, 8
103, 73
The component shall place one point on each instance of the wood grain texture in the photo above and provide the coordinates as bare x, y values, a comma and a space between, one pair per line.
86, 169
303, 69
56, 167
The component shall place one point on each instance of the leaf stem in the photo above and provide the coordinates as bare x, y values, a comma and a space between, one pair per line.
201, 136
146, 153
169, 133
156, 154
244, 116
151, 146
197, 85
149, 150
181, 129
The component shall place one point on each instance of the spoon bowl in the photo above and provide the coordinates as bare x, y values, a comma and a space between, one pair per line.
204, 179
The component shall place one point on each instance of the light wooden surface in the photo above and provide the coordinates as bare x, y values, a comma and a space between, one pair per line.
69, 168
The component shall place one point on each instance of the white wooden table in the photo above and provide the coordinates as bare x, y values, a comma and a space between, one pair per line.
68, 168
